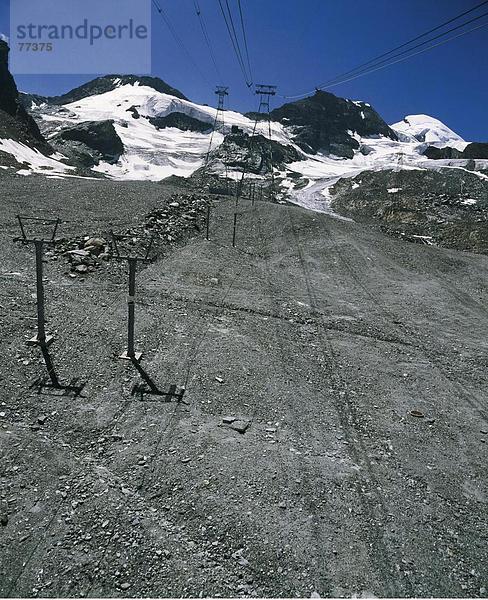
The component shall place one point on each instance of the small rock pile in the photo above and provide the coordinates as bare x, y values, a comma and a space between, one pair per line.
84, 254
88, 258
183, 213
177, 219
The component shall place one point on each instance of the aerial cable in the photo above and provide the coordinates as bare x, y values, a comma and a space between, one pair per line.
236, 37
374, 60
235, 44
440, 35
442, 42
245, 38
207, 38
178, 40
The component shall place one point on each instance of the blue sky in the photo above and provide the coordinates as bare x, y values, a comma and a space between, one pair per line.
297, 44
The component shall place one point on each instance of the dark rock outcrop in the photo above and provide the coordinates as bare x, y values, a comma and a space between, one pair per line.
475, 150
256, 154
441, 153
180, 121
15, 122
90, 142
322, 121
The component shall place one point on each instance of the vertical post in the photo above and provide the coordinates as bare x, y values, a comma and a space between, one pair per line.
234, 234
131, 306
208, 221
49, 366
41, 327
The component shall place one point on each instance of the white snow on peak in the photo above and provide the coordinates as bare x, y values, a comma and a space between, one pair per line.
150, 153
426, 129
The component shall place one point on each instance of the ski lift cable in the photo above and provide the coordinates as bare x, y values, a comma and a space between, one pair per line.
374, 60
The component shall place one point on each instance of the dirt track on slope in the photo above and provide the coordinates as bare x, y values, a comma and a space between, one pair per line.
324, 335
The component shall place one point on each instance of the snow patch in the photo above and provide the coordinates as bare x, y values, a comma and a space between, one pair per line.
36, 161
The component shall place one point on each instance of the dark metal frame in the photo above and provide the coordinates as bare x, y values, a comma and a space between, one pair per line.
130, 353
42, 339
148, 387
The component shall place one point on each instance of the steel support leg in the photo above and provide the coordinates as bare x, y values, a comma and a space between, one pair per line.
235, 229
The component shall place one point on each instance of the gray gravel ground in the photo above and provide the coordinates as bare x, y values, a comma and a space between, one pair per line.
322, 334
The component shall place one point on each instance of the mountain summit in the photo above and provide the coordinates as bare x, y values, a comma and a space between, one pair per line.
102, 85
326, 123
423, 128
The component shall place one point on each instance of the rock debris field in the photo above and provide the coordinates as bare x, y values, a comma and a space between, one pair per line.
333, 435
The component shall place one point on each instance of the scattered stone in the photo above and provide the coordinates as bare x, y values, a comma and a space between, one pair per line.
95, 242
42, 419
228, 420
241, 426
125, 586
219, 379
282, 505
74, 254
417, 413
81, 269
240, 559
4, 520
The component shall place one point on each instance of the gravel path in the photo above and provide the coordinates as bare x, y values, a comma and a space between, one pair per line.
317, 336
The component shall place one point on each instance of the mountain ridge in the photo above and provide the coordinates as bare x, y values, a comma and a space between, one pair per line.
101, 85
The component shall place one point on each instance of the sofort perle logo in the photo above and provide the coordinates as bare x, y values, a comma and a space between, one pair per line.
80, 37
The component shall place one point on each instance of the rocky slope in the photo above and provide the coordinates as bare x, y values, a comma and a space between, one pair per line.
446, 208
15, 123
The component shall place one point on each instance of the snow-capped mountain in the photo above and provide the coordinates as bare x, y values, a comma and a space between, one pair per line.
422, 128
128, 127
152, 150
